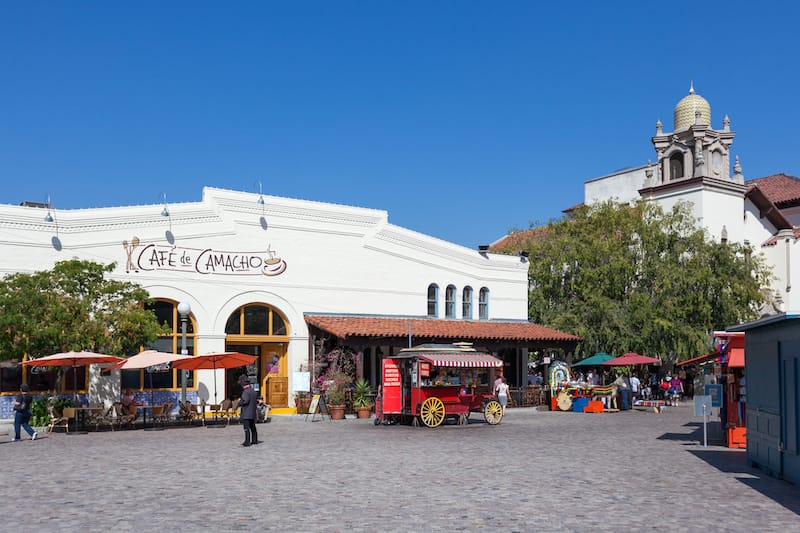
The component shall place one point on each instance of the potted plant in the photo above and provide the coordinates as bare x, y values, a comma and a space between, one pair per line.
337, 368
335, 385
362, 398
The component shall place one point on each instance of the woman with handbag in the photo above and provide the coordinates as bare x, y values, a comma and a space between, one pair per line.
22, 413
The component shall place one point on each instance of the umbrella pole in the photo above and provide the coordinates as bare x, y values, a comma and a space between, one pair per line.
78, 429
214, 370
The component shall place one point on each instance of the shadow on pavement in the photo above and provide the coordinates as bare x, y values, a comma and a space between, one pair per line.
735, 462
695, 434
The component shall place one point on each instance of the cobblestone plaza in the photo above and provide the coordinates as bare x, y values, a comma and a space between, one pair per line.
536, 471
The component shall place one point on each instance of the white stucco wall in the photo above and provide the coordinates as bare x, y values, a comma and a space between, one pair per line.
338, 259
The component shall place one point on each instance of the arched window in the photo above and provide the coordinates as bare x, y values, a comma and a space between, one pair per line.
450, 301
433, 300
466, 303
483, 304
676, 166
166, 312
256, 319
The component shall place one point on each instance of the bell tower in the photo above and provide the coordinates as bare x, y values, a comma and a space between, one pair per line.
694, 149
693, 163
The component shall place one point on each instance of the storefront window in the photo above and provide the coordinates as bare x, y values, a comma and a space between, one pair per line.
10, 377
256, 319
167, 313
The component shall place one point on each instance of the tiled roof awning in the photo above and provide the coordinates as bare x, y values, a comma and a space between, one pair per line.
346, 326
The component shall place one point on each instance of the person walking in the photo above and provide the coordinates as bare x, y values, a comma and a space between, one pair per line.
248, 404
635, 386
22, 413
502, 394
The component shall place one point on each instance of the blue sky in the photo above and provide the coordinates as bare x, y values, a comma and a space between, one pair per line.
462, 119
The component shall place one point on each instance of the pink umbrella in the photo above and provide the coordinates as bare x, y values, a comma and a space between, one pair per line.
632, 358
214, 361
146, 359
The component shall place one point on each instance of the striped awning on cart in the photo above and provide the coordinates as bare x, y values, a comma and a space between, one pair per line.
468, 360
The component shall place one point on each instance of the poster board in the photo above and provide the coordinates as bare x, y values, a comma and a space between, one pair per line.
318, 405
715, 392
301, 382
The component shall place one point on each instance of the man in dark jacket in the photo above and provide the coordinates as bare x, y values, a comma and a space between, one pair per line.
248, 405
22, 413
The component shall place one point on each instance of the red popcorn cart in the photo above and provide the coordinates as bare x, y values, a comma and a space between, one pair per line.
434, 382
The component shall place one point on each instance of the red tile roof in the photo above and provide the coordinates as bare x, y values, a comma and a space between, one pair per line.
781, 189
344, 326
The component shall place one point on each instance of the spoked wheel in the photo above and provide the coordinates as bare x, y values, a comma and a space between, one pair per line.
493, 412
432, 412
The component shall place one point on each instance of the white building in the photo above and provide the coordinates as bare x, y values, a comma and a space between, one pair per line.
693, 163
279, 278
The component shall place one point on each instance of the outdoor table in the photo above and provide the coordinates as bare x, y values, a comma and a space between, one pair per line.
80, 417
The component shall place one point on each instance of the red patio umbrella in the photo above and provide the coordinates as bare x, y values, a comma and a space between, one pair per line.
213, 361
74, 360
632, 358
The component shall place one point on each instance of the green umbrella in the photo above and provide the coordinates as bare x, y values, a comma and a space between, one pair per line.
597, 359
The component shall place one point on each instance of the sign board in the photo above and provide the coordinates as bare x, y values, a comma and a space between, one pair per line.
317, 405
424, 369
392, 386
715, 392
301, 381
702, 405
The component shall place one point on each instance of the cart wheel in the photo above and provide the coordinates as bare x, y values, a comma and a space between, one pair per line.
493, 412
432, 412
377, 421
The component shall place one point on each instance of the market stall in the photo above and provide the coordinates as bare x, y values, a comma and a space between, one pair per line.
721, 375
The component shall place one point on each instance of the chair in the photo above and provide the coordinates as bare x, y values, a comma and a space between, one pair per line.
166, 413
70, 413
214, 409
98, 417
157, 412
186, 411
56, 419
196, 413
121, 417
226, 410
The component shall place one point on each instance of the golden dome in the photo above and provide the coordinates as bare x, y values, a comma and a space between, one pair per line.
686, 108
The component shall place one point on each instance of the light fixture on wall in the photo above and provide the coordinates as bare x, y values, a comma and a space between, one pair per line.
49, 216
523, 255
165, 210
483, 248
260, 193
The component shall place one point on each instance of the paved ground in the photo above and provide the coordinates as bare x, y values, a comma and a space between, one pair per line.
537, 471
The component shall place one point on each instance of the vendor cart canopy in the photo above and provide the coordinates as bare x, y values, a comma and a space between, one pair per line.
461, 355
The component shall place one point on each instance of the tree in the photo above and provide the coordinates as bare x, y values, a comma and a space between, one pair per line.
634, 278
73, 307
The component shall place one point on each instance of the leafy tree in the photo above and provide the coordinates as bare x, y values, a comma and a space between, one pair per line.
634, 278
74, 306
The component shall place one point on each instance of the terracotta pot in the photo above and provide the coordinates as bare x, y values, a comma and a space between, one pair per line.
364, 412
336, 411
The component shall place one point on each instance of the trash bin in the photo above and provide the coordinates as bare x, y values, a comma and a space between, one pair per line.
625, 399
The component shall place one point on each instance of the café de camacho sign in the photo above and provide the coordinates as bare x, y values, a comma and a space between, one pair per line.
203, 261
